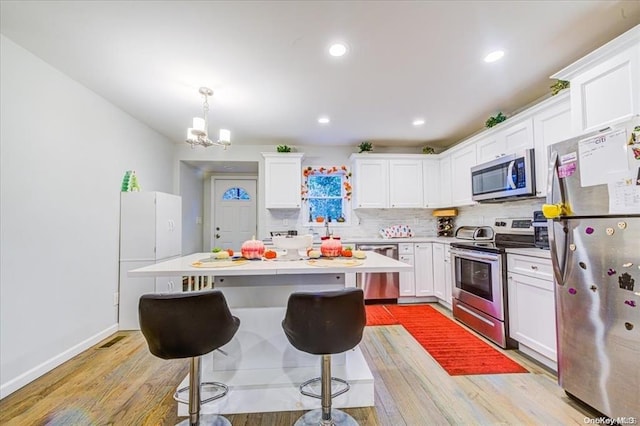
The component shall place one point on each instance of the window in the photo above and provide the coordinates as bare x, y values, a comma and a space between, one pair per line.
235, 194
326, 191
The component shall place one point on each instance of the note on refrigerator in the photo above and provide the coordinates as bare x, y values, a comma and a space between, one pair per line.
603, 157
624, 193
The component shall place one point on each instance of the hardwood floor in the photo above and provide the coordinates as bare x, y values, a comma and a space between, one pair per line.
125, 385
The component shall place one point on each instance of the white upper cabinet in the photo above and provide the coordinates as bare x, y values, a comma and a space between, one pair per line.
461, 162
605, 84
282, 180
371, 183
405, 183
445, 199
551, 124
387, 181
509, 138
431, 183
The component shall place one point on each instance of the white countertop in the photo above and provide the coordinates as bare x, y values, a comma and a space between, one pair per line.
379, 240
182, 266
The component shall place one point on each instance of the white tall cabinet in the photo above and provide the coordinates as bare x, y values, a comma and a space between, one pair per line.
150, 232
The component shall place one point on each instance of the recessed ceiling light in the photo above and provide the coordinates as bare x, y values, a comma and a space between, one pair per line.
323, 120
494, 56
418, 122
337, 49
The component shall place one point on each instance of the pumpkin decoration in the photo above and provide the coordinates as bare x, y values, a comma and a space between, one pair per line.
331, 248
252, 249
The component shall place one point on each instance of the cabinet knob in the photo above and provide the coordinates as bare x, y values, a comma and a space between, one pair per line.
534, 267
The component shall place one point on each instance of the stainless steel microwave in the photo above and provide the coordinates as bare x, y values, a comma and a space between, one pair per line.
505, 177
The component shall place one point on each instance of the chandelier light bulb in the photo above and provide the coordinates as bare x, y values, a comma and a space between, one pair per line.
225, 136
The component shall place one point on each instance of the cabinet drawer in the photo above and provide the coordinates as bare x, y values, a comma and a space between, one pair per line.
405, 248
537, 267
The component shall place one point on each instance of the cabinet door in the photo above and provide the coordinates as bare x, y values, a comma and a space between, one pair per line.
430, 183
532, 317
448, 277
461, 163
439, 266
168, 225
283, 180
407, 279
371, 189
405, 183
423, 253
607, 92
512, 138
138, 226
490, 148
518, 136
169, 284
551, 125
445, 182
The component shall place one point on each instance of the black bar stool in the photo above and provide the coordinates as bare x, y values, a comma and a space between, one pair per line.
325, 323
188, 325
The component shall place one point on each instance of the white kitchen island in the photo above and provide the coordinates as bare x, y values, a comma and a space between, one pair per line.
262, 369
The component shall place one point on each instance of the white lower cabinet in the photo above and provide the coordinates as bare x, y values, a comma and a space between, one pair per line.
423, 269
442, 280
416, 286
532, 317
407, 279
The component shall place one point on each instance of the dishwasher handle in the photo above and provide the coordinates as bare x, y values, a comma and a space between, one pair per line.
377, 247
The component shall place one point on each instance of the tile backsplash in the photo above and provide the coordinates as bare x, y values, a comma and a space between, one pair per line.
367, 222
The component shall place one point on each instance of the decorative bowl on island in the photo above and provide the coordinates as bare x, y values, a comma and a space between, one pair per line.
293, 244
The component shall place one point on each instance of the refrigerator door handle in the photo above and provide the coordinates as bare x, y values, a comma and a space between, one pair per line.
510, 182
553, 244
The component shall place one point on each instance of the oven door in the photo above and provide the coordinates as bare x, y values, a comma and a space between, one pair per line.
478, 280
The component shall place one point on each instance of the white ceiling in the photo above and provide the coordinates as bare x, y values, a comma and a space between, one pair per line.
268, 65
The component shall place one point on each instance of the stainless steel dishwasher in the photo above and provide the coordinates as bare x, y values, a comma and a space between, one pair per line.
380, 287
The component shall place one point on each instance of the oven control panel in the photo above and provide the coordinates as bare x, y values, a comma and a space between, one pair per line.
513, 225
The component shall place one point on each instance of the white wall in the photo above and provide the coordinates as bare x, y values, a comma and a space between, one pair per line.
64, 151
191, 190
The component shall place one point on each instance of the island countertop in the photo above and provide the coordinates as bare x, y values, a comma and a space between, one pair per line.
374, 262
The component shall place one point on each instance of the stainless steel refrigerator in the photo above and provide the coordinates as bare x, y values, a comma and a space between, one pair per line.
594, 232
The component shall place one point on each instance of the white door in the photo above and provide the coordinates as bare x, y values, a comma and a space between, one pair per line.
168, 225
235, 210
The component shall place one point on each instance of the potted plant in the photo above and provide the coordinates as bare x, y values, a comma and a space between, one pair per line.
492, 121
558, 86
283, 148
428, 150
365, 147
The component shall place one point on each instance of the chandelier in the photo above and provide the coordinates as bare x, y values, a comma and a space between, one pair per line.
199, 133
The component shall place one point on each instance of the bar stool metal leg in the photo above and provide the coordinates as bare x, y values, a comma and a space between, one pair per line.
326, 415
195, 418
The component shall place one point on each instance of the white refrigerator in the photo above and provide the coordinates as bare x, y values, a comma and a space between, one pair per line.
150, 232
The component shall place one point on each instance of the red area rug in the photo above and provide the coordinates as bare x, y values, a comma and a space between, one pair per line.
379, 315
454, 348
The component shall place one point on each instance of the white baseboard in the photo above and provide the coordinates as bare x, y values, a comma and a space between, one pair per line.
27, 377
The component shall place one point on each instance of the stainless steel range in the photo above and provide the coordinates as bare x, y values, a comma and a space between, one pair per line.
480, 278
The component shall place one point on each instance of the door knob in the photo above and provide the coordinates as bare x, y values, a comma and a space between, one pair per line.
217, 235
